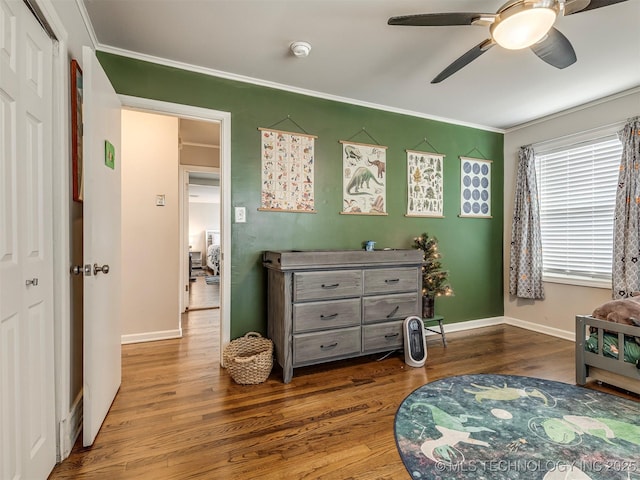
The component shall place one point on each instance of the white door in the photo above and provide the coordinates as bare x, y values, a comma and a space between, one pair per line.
27, 401
101, 231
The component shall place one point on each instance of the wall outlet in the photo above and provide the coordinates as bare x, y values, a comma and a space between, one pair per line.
241, 214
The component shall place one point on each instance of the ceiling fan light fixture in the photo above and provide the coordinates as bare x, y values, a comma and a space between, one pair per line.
524, 24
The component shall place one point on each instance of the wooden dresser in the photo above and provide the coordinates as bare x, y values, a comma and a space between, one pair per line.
329, 305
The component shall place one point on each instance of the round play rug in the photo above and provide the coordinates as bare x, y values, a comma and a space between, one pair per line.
509, 427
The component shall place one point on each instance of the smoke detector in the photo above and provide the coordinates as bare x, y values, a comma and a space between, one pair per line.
300, 49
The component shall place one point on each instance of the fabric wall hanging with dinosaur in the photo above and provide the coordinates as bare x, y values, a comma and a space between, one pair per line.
364, 178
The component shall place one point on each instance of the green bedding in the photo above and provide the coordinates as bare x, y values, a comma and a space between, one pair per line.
611, 349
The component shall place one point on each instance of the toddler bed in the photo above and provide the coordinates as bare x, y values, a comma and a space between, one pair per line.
607, 351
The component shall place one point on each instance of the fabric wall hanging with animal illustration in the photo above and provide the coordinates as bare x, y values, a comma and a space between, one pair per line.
364, 190
475, 187
425, 184
287, 171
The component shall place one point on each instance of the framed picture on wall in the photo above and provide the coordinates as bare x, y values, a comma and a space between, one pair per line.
287, 171
475, 187
76, 131
364, 177
425, 184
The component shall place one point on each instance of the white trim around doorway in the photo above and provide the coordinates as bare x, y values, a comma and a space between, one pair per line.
61, 229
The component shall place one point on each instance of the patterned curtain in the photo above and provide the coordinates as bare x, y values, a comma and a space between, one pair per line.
626, 241
525, 270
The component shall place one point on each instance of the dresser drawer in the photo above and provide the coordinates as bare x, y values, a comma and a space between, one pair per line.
389, 280
382, 336
323, 285
326, 315
389, 307
311, 347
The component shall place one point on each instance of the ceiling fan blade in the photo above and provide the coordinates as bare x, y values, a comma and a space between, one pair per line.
577, 6
464, 60
437, 19
555, 49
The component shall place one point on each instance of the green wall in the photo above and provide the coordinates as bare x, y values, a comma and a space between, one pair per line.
471, 248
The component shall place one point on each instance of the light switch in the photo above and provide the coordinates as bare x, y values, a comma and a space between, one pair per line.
241, 214
159, 200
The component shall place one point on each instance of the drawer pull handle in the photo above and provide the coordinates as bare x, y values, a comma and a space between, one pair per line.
393, 312
391, 335
328, 317
327, 347
333, 285
392, 280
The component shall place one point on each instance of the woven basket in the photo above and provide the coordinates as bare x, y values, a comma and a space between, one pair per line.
249, 359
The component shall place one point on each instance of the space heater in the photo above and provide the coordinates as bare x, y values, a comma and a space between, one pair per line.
415, 345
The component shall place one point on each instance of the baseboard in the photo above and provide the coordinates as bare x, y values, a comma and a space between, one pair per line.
536, 327
449, 327
471, 324
491, 321
70, 428
151, 336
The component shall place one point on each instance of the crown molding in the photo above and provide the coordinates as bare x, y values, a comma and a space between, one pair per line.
87, 23
287, 88
578, 108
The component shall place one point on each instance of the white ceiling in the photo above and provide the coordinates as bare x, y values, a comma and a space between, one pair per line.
356, 56
204, 194
204, 187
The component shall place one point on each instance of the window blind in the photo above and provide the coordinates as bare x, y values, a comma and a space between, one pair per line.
577, 193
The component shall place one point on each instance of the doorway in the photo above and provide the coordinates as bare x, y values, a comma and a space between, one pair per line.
203, 234
223, 120
199, 158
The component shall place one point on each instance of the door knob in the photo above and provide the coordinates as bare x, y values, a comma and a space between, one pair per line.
104, 269
31, 281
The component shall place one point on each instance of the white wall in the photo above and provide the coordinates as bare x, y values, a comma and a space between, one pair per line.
562, 302
202, 216
150, 233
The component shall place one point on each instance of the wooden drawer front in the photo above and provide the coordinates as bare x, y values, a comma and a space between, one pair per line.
389, 307
389, 280
311, 347
326, 315
321, 285
381, 336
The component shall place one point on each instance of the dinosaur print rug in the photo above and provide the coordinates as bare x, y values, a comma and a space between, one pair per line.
509, 427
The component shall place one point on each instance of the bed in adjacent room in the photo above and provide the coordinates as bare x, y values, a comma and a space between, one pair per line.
212, 242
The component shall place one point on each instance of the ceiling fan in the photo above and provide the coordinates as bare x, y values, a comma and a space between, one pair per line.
516, 25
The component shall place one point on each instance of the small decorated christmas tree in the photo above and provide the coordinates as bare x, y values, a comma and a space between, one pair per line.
435, 281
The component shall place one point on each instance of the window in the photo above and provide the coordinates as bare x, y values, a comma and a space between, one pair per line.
577, 192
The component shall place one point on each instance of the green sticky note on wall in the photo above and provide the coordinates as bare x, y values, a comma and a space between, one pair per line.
109, 155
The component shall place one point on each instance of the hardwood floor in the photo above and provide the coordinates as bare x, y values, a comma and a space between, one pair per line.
203, 296
178, 415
